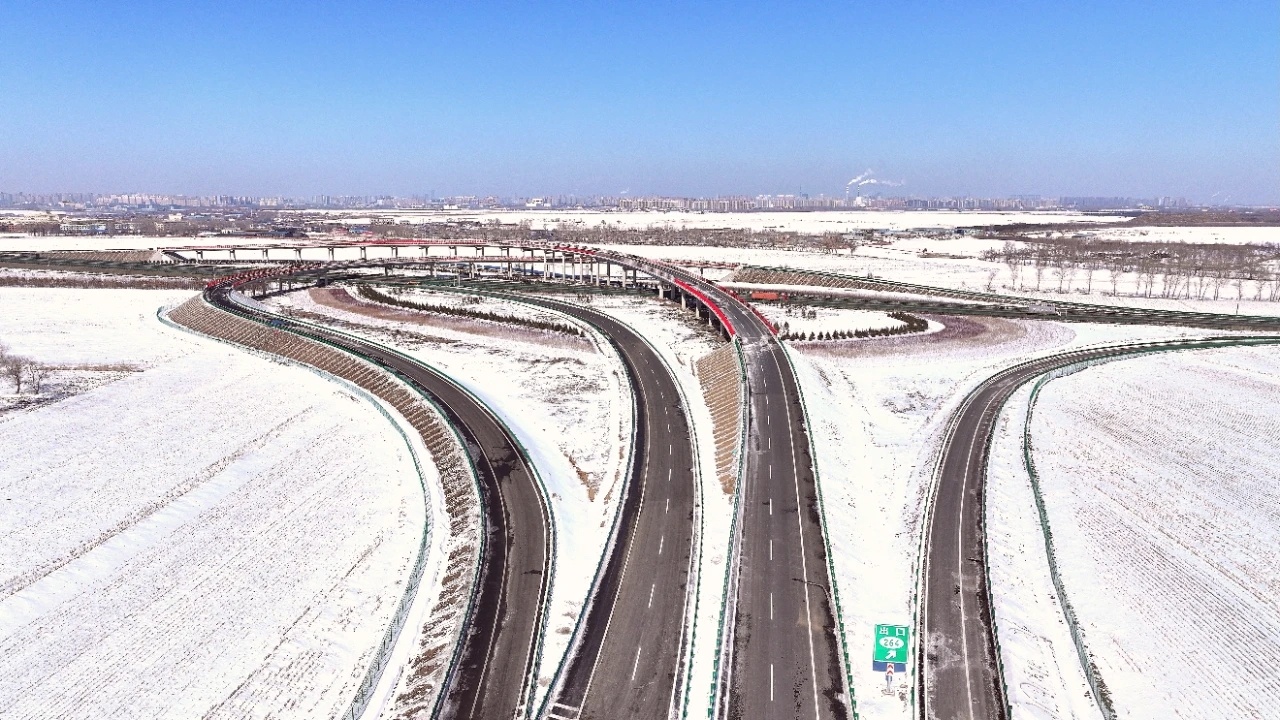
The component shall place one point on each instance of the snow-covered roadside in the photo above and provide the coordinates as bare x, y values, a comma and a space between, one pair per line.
171, 545
878, 411
1042, 669
565, 399
681, 340
1158, 475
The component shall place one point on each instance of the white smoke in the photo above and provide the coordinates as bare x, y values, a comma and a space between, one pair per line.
866, 179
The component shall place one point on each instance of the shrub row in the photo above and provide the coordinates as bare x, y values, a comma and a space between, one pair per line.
369, 293
911, 324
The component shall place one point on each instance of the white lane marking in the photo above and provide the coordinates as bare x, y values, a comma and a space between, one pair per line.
769, 440
667, 508
770, 682
651, 589
770, 506
771, 471
766, 399
661, 541
669, 474
635, 664
771, 606
770, 549
671, 449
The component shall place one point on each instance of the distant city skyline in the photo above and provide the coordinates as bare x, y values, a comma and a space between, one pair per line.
988, 99
90, 202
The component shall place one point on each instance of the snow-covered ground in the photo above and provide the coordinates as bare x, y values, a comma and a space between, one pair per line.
878, 409
564, 397
211, 534
1159, 477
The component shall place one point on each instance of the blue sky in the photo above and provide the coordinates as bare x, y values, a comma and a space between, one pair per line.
983, 98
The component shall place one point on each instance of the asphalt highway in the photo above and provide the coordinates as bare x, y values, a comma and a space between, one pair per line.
494, 668
632, 650
782, 653
955, 653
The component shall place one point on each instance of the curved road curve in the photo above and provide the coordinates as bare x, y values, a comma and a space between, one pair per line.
955, 658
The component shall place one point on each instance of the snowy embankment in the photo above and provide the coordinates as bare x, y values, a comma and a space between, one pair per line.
1159, 478
1042, 669
564, 397
878, 409
173, 544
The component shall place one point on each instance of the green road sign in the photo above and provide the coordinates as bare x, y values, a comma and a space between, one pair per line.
891, 643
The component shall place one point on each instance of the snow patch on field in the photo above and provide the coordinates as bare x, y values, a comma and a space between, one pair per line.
1159, 475
173, 545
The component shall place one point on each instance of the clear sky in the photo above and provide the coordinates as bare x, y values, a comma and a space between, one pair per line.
982, 98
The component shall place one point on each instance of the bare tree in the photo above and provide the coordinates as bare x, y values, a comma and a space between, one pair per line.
15, 368
1116, 266
991, 279
37, 373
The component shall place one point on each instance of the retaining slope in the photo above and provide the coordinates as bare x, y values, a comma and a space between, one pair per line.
721, 378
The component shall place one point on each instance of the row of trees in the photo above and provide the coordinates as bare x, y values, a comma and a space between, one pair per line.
22, 372
1168, 270
369, 293
912, 324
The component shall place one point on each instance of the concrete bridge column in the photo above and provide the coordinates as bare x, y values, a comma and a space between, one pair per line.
364, 252
297, 253
330, 249
233, 253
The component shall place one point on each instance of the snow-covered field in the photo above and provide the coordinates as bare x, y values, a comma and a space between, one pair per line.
564, 397
211, 534
1200, 234
878, 408
1159, 476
